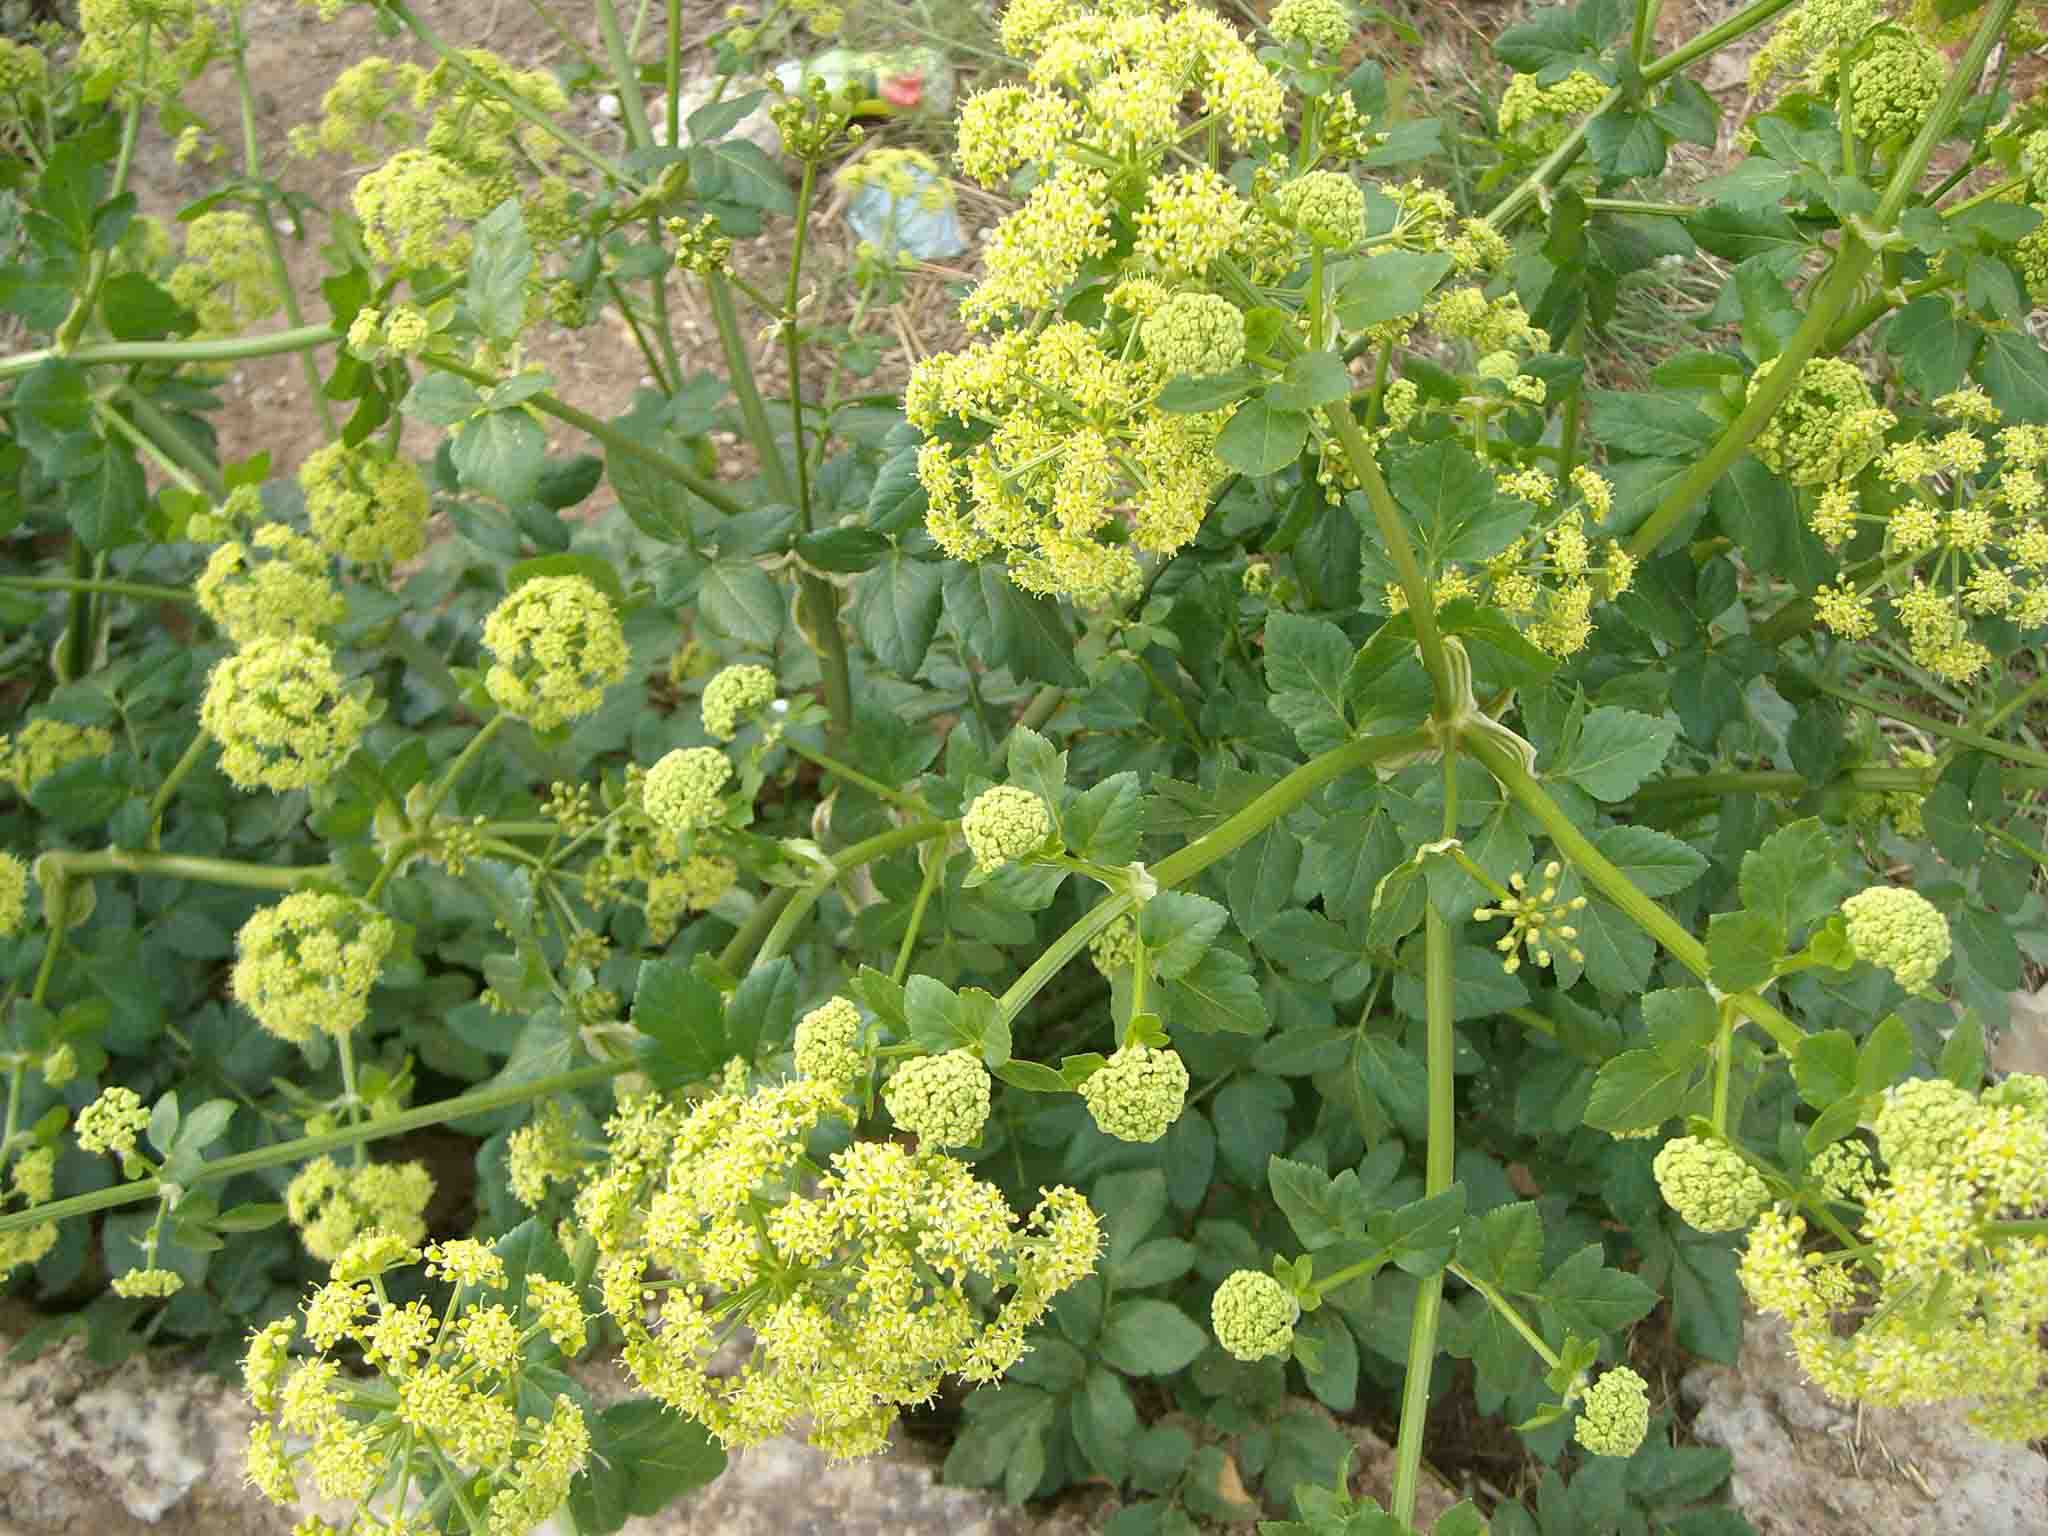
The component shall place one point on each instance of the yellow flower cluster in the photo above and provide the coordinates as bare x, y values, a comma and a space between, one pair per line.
273, 586
1827, 429
364, 503
558, 645
32, 1181
1814, 37
1900, 930
111, 1122
226, 278
332, 1206
308, 962
1892, 83
451, 1398
541, 1153
476, 152
1710, 1184
1324, 25
695, 885
44, 745
1536, 117
281, 713
23, 73
1550, 579
143, 47
1946, 1294
1536, 920
684, 791
1964, 536
733, 695
852, 1288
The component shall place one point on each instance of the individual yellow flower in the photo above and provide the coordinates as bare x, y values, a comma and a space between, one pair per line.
364, 503
282, 716
308, 962
558, 645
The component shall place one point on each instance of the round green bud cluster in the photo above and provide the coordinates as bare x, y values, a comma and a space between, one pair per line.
276, 584
22, 73
1615, 1414
111, 1122
34, 1175
734, 694
558, 645
1005, 823
1538, 117
408, 330
1922, 1121
282, 716
1892, 85
1709, 1184
1115, 947
1137, 1093
1326, 206
13, 895
1899, 930
308, 963
365, 504
2022, 1090
1325, 25
46, 745
1844, 1171
1194, 333
1254, 1315
942, 1100
333, 1206
828, 1042
695, 887
1827, 429
682, 792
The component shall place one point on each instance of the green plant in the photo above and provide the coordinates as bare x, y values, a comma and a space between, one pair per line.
1264, 605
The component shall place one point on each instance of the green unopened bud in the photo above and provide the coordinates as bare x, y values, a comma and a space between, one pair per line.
1615, 1414
1005, 823
1138, 1093
1254, 1316
942, 1100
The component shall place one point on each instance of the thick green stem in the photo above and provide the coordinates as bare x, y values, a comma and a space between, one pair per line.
1439, 1169
483, 1101
1399, 549
179, 866
142, 591
784, 924
160, 802
231, 349
1600, 873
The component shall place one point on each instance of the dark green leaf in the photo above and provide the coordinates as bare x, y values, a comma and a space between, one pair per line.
1150, 1338
1591, 1298
1003, 627
739, 599
896, 610
1262, 439
1178, 928
499, 263
1617, 749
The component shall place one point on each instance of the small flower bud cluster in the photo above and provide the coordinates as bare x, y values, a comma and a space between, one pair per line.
308, 963
1537, 118
111, 1122
149, 1283
1115, 947
32, 1181
1946, 1292
1253, 1315
941, 1100
13, 895
1194, 333
1324, 25
453, 1377
143, 48
1827, 429
558, 645
1709, 1184
333, 1206
273, 586
1004, 824
226, 278
734, 694
1328, 208
1534, 921
365, 504
1892, 83
828, 1043
694, 886
1815, 37
876, 1266
541, 1153
45, 745
1614, 1415
281, 713
1137, 1094
700, 248
23, 73
684, 791
1900, 931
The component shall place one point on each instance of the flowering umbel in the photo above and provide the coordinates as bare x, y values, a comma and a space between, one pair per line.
856, 1282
